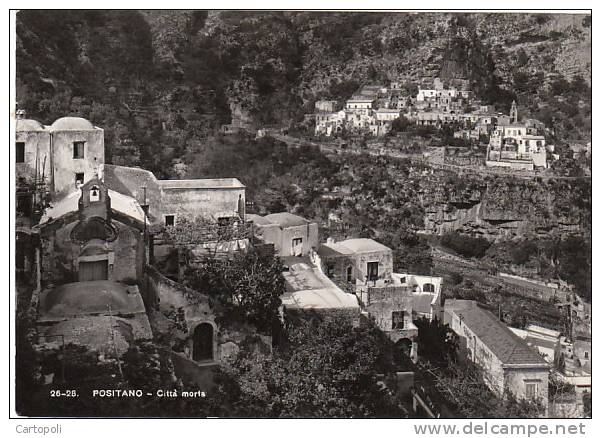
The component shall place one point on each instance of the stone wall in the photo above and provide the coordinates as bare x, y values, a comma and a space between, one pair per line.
498, 376
336, 267
384, 259
306, 232
37, 147
65, 166
517, 378
165, 296
201, 202
473, 348
382, 301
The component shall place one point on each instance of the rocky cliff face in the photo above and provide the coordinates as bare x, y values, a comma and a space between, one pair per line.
313, 49
503, 208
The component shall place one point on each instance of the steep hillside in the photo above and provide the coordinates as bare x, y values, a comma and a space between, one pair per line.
161, 82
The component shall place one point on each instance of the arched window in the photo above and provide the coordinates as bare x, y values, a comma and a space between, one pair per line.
94, 194
202, 347
349, 274
428, 287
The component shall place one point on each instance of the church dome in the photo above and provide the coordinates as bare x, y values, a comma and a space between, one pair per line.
29, 125
71, 124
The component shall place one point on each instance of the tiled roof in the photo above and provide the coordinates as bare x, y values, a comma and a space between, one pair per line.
504, 344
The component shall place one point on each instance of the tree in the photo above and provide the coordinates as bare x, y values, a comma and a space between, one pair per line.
248, 285
410, 253
464, 385
327, 369
438, 343
144, 368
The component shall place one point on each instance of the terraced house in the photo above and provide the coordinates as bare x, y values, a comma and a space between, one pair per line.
508, 363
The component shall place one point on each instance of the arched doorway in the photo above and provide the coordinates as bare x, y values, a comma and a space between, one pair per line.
202, 342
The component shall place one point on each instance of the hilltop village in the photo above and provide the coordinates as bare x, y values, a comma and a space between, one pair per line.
511, 143
109, 257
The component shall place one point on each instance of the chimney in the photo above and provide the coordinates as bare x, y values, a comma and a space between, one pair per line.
21, 114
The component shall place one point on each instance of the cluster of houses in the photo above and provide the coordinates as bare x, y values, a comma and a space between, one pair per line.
517, 145
514, 144
371, 110
90, 234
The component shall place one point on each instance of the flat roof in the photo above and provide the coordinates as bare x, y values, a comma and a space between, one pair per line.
285, 219
257, 219
309, 288
202, 183
350, 246
363, 245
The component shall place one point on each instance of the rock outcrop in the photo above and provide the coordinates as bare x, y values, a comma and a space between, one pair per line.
506, 208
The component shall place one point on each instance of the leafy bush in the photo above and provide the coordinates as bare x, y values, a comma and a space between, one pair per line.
328, 370
248, 286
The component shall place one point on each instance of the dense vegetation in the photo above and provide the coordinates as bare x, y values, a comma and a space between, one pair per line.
248, 286
161, 82
143, 367
326, 369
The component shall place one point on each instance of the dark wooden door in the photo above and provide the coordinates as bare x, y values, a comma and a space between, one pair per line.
90, 271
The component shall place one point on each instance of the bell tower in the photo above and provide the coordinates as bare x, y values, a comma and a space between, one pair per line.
513, 114
94, 200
